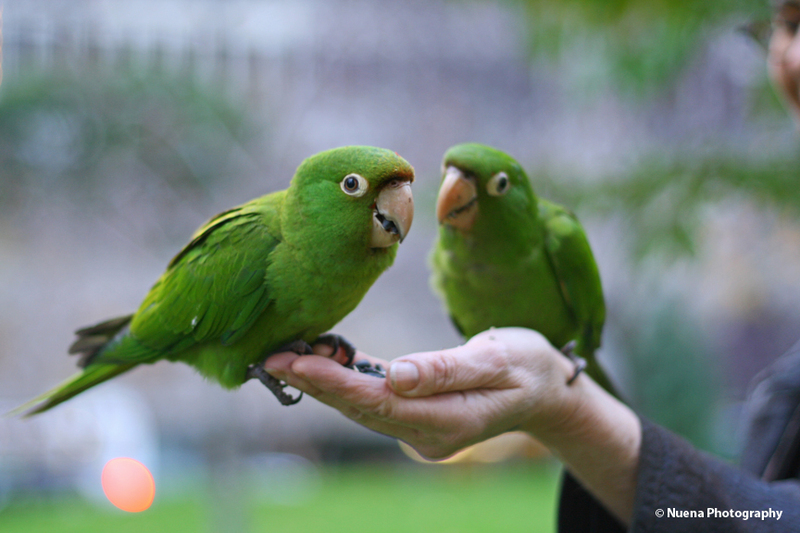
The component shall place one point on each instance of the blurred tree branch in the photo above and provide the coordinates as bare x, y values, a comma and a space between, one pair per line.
73, 129
644, 43
643, 46
662, 197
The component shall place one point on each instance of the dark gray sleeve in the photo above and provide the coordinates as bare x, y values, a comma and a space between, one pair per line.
678, 480
772, 420
709, 495
578, 511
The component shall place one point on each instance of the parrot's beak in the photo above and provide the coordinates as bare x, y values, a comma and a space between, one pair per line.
457, 204
393, 213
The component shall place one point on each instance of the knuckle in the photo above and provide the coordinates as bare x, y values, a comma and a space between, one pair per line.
495, 363
426, 444
353, 414
434, 453
434, 450
444, 372
438, 446
384, 410
496, 358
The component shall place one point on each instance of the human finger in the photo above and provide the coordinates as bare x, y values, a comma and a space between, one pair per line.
351, 387
452, 412
360, 397
482, 363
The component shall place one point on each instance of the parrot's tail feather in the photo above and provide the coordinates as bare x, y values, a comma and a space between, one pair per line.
71, 387
91, 340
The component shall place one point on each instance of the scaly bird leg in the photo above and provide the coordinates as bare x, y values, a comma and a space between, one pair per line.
275, 385
579, 362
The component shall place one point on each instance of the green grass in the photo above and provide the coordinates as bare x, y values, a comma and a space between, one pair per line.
368, 498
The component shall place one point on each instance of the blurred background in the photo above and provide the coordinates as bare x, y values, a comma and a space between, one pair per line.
124, 126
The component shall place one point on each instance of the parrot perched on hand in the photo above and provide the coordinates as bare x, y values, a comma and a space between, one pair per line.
505, 257
266, 276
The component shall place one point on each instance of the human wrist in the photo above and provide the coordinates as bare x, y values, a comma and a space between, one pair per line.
598, 439
581, 414
559, 407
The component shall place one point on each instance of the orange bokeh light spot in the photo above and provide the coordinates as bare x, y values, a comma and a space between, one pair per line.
128, 484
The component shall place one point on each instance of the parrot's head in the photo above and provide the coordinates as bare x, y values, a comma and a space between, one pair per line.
358, 194
482, 186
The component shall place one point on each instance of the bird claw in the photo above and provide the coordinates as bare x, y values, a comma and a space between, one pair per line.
365, 367
336, 342
579, 362
275, 385
300, 347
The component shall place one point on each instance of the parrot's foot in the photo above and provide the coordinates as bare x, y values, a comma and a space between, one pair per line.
300, 347
365, 367
579, 362
275, 385
336, 342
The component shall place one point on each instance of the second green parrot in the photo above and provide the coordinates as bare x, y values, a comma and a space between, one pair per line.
272, 274
507, 258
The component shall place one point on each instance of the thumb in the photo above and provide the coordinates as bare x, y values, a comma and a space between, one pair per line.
471, 366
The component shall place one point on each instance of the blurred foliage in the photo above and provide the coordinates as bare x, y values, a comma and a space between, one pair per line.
635, 45
662, 199
764, 105
367, 498
675, 383
85, 130
638, 49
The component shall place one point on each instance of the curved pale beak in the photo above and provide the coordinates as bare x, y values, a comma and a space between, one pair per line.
457, 204
392, 214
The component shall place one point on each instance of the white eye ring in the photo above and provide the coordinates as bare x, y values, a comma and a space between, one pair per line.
354, 185
498, 185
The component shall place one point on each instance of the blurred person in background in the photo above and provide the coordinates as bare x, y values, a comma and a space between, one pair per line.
623, 472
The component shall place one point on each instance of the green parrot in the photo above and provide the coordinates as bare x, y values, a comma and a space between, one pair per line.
505, 257
266, 276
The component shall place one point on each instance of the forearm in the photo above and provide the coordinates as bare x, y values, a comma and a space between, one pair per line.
598, 441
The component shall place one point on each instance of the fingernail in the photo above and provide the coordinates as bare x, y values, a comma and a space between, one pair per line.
403, 376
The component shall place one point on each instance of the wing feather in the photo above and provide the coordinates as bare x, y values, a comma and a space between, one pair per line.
215, 287
576, 271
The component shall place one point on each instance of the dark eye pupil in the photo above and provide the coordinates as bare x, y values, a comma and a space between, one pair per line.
351, 183
502, 183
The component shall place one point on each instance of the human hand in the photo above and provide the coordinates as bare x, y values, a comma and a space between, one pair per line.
441, 401
500, 380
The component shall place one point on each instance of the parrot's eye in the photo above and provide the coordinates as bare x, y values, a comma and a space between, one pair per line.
498, 185
354, 185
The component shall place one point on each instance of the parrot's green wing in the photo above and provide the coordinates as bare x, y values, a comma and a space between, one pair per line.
578, 278
214, 289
